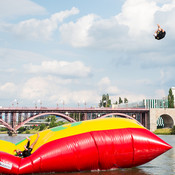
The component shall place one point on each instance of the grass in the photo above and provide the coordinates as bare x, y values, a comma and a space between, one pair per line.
163, 131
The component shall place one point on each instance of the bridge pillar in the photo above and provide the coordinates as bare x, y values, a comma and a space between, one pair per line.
13, 119
19, 117
25, 116
12, 133
6, 117
141, 118
147, 121
79, 117
85, 116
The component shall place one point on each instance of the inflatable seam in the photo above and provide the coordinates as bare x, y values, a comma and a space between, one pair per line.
32, 164
19, 166
91, 133
130, 131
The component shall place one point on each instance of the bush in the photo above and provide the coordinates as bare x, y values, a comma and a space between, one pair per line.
3, 129
27, 132
22, 129
42, 127
173, 130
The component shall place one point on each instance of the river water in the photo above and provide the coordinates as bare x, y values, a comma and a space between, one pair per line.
162, 165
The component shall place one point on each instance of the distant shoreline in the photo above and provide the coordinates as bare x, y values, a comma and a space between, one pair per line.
162, 131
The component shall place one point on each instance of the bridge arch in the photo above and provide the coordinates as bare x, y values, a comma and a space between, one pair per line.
121, 115
6, 125
42, 114
167, 121
167, 115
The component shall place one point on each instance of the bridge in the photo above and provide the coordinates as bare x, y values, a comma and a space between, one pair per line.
15, 117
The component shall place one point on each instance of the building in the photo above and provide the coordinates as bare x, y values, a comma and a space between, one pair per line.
156, 103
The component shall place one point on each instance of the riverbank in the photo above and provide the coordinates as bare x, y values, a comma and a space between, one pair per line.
163, 131
25, 132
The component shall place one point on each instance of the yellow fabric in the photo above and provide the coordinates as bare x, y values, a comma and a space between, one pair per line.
70, 130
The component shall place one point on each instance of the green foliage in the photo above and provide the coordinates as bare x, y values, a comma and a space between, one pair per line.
27, 132
52, 124
21, 129
51, 118
125, 100
170, 99
173, 130
53, 121
163, 131
35, 127
105, 102
42, 127
3, 129
61, 123
120, 100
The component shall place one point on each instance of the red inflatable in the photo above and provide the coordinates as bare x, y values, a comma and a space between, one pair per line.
96, 144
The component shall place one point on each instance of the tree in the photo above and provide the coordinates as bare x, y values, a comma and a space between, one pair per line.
120, 100
116, 102
173, 130
125, 100
51, 118
105, 102
170, 99
21, 129
42, 126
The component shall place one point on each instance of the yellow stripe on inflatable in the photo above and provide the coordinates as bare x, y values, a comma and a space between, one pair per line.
7, 147
75, 129
83, 127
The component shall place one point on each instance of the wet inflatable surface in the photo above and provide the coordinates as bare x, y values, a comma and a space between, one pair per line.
89, 145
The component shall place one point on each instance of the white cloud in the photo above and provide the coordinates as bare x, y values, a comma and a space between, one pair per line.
138, 15
132, 98
164, 76
56, 90
105, 81
167, 7
8, 87
125, 31
160, 93
77, 34
13, 55
43, 87
70, 69
40, 29
8, 90
11, 8
106, 86
36, 88
77, 97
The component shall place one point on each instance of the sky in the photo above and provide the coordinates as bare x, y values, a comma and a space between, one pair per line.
71, 52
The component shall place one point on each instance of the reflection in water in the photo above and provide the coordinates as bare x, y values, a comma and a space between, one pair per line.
164, 164
131, 171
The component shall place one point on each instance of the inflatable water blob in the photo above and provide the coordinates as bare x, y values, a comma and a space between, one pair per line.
98, 144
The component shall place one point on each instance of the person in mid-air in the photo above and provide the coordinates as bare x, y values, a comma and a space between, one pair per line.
159, 33
27, 148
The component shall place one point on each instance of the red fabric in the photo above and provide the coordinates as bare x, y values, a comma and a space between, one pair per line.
147, 146
9, 160
107, 149
115, 148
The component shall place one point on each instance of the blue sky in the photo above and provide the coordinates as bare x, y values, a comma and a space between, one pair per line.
75, 51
